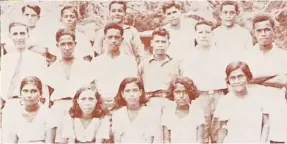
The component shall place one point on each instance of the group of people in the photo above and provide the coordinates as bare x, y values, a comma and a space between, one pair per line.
197, 83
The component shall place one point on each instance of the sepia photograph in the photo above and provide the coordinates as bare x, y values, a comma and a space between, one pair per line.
143, 71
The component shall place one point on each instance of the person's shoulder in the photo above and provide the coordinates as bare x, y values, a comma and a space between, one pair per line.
119, 112
131, 28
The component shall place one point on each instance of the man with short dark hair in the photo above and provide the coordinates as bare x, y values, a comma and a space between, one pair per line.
268, 64
111, 67
69, 20
131, 44
65, 76
230, 38
205, 67
20, 64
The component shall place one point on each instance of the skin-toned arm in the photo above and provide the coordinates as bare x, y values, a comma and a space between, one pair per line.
277, 81
215, 127
265, 128
166, 135
200, 134
50, 135
222, 132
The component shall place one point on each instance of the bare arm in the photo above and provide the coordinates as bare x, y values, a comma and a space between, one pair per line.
265, 128
200, 134
222, 133
277, 81
50, 135
166, 135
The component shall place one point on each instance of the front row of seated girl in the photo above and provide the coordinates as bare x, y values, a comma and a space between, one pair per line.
132, 120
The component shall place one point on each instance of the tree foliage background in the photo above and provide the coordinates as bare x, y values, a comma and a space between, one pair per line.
147, 15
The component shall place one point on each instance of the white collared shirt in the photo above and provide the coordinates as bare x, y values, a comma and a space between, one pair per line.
205, 68
80, 75
157, 75
131, 44
32, 65
273, 62
110, 72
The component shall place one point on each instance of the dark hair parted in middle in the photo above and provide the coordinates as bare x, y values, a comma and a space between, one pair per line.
235, 65
76, 112
161, 32
120, 101
187, 83
62, 32
114, 26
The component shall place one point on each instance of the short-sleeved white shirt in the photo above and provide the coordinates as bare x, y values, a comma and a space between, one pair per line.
182, 39
80, 75
140, 130
110, 72
183, 130
74, 129
205, 68
233, 42
244, 115
272, 62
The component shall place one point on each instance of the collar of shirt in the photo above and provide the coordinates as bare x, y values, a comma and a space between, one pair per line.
165, 61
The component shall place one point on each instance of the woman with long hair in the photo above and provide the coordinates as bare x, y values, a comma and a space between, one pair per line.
133, 120
86, 122
32, 123
183, 121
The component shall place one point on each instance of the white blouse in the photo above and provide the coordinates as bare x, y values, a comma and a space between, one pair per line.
35, 130
74, 129
140, 130
183, 130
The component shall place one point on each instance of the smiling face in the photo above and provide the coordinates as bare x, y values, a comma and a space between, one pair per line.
117, 13
132, 94
87, 102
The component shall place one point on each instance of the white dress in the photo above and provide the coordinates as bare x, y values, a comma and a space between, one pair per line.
183, 130
34, 131
140, 130
97, 129
244, 115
